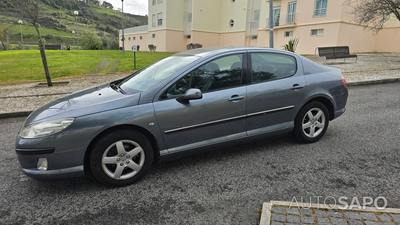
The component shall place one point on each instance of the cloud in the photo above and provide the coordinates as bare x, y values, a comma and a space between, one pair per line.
137, 7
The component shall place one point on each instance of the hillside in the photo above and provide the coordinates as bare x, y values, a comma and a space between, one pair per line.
57, 22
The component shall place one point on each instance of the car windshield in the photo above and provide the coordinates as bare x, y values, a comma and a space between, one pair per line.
154, 74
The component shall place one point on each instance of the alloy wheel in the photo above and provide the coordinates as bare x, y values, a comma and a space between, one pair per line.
123, 159
313, 122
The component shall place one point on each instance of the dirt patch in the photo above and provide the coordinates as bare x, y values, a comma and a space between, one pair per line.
103, 64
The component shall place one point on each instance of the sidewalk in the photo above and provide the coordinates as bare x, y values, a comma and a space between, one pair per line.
21, 99
285, 213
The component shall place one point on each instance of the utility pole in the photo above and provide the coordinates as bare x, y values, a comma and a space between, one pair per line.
73, 33
76, 13
22, 36
271, 23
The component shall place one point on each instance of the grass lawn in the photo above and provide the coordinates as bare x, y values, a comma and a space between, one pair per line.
26, 66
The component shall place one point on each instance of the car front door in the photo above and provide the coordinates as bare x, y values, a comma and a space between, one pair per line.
273, 96
218, 117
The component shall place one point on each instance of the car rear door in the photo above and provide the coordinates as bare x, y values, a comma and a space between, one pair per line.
218, 117
274, 93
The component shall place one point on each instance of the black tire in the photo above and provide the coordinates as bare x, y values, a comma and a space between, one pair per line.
305, 135
107, 147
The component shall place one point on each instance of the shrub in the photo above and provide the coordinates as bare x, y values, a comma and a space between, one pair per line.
92, 42
291, 45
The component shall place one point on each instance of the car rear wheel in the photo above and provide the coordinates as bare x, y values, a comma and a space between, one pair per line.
121, 158
312, 122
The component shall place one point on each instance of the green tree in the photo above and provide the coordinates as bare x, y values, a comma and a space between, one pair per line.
92, 42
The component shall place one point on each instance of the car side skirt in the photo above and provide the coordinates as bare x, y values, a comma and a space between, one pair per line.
222, 142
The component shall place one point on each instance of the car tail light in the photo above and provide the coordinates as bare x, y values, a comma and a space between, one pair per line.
343, 81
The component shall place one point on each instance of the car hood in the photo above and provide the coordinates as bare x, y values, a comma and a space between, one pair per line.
89, 101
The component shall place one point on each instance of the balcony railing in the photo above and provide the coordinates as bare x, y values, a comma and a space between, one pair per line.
291, 18
284, 19
320, 12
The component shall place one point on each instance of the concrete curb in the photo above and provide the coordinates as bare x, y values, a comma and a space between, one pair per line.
267, 207
369, 82
26, 113
40, 95
15, 114
266, 214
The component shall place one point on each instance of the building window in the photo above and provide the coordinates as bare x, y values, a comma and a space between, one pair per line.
159, 19
153, 35
134, 38
320, 8
159, 1
231, 23
288, 33
256, 15
291, 16
153, 20
154, 2
141, 37
317, 32
189, 17
129, 38
277, 15
254, 37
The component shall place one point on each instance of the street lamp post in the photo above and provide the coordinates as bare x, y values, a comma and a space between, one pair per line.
73, 33
22, 36
123, 31
76, 13
271, 23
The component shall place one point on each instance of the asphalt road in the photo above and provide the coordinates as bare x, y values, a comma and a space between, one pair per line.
357, 157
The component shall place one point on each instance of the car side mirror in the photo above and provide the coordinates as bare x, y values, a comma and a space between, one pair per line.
191, 94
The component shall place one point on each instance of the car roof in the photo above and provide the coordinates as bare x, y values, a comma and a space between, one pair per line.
201, 52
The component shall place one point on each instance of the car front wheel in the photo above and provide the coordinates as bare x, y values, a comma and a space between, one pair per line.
312, 122
121, 158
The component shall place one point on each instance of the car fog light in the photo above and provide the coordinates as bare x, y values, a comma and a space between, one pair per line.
42, 164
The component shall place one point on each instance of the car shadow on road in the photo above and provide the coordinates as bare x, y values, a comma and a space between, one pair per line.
90, 184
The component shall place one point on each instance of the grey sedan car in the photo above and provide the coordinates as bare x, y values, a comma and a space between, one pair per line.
193, 101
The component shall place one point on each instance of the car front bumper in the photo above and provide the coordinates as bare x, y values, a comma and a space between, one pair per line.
60, 174
64, 160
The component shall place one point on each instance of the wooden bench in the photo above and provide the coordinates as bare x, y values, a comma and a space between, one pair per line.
53, 47
337, 52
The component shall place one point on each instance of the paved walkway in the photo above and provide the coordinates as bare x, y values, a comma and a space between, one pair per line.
371, 67
287, 213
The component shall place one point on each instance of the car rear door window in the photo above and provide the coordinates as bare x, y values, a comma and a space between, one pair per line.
271, 66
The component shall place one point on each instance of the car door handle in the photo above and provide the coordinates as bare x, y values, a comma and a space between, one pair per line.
236, 98
297, 87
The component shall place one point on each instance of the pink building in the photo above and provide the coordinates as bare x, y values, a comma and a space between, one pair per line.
175, 23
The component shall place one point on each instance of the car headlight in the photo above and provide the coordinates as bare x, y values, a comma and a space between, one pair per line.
45, 128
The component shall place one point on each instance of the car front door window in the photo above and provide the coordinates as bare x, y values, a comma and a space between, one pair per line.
219, 74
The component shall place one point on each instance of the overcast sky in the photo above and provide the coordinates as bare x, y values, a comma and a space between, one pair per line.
137, 7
